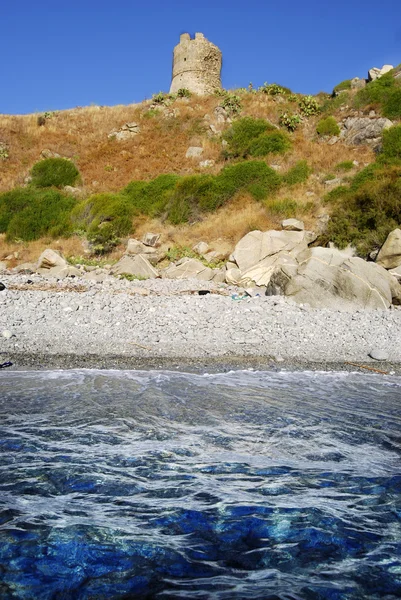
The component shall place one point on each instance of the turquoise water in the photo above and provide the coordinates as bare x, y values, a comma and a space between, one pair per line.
156, 484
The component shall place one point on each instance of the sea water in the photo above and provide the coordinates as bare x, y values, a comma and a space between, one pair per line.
157, 484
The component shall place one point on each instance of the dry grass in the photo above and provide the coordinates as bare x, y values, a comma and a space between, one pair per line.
108, 165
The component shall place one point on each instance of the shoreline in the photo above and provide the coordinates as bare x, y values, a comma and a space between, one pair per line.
159, 324
27, 362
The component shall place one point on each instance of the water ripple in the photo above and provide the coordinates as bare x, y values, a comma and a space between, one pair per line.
119, 484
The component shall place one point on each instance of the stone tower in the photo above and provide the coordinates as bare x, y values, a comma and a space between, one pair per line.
196, 65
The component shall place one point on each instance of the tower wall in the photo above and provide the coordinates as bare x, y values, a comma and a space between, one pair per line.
196, 65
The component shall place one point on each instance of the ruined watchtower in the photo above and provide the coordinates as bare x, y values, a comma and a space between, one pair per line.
196, 65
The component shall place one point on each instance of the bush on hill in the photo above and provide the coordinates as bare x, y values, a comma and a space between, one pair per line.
385, 92
56, 172
275, 142
341, 87
392, 142
365, 212
29, 214
328, 126
242, 133
150, 197
299, 173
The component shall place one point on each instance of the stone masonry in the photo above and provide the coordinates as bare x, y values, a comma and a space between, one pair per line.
196, 65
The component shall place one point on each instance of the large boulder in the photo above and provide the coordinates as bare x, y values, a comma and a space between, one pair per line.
135, 247
327, 279
376, 73
389, 256
257, 245
364, 130
137, 265
189, 268
49, 259
261, 273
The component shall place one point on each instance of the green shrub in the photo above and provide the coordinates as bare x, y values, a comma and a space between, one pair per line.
392, 142
273, 89
365, 212
150, 197
232, 104
346, 165
299, 173
184, 93
344, 85
56, 172
376, 92
104, 216
196, 194
328, 126
159, 98
289, 121
392, 104
309, 106
270, 143
29, 214
242, 133
332, 104
285, 208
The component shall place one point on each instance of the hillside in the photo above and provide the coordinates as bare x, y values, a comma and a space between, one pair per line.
114, 146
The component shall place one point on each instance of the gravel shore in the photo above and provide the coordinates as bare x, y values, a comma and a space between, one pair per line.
166, 322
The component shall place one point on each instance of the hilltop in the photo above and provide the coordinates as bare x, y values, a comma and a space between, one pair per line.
310, 146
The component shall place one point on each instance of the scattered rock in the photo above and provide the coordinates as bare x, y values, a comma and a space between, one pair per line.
334, 181
47, 153
363, 130
389, 256
358, 84
151, 239
205, 164
327, 279
188, 268
257, 245
201, 248
221, 114
233, 276
126, 132
137, 265
378, 354
194, 152
50, 258
74, 191
292, 225
375, 72
7, 334
27, 268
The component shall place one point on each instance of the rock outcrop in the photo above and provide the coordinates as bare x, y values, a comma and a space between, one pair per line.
325, 278
364, 130
389, 256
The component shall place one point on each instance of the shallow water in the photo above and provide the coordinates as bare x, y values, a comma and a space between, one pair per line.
124, 484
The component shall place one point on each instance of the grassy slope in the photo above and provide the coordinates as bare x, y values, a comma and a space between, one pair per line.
108, 165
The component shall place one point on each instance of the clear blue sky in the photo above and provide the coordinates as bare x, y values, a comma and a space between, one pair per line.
66, 53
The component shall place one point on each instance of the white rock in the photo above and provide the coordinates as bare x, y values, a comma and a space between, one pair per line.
134, 265
378, 354
257, 245
201, 248
7, 334
292, 225
194, 152
389, 256
50, 258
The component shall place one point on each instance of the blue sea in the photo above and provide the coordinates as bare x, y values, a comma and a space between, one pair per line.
158, 484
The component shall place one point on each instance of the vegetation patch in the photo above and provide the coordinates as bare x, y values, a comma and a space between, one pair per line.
328, 126
29, 214
56, 172
299, 173
365, 212
346, 165
255, 137
384, 93
343, 86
